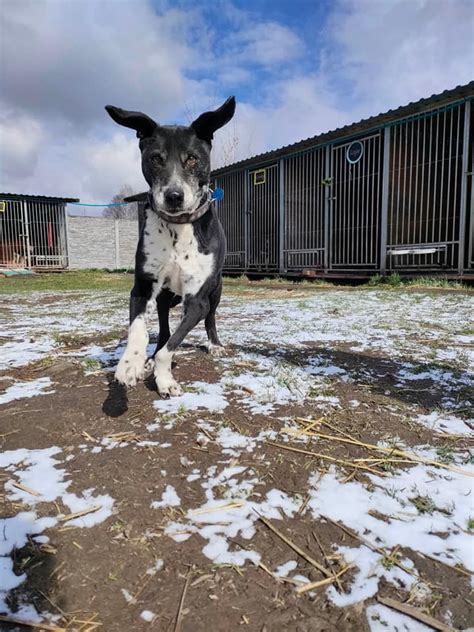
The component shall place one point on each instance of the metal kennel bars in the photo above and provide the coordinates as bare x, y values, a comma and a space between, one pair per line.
33, 231
392, 193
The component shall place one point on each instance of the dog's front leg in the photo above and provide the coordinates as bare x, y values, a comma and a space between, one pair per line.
214, 345
195, 309
132, 364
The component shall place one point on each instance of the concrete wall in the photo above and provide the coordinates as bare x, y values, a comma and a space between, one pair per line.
99, 242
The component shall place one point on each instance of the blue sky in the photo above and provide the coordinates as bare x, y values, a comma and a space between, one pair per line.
297, 68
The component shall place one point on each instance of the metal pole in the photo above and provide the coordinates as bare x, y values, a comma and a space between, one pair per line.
27, 232
465, 170
117, 244
327, 204
66, 226
246, 176
470, 261
281, 215
384, 209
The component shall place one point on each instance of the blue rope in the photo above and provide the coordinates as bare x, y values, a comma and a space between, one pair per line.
217, 194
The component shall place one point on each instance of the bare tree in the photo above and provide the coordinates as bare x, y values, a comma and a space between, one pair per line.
226, 149
127, 211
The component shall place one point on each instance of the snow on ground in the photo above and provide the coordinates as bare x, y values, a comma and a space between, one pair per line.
405, 325
34, 324
220, 519
447, 424
33, 478
405, 520
198, 395
284, 569
169, 498
24, 390
419, 333
383, 619
262, 393
147, 615
19, 352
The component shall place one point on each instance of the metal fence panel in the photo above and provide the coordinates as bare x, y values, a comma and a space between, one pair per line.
469, 235
231, 212
356, 203
424, 206
33, 235
263, 219
13, 242
47, 234
405, 204
304, 206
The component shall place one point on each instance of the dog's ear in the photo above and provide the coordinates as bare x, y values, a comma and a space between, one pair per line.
206, 124
143, 124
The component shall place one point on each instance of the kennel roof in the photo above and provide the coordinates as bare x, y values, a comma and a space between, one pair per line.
356, 128
36, 198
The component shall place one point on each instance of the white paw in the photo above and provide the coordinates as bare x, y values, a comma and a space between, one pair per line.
149, 366
167, 386
215, 350
130, 369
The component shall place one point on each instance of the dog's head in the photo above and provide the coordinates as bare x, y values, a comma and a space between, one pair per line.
176, 161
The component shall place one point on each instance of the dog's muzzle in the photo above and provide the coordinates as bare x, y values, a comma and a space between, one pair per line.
185, 217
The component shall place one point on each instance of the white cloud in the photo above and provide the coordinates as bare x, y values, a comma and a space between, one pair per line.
377, 56
265, 43
89, 168
398, 51
110, 165
21, 139
68, 59
303, 108
71, 58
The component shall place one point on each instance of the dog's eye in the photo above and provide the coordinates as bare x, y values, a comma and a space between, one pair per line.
158, 159
191, 161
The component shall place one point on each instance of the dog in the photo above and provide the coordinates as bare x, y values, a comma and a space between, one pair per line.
182, 245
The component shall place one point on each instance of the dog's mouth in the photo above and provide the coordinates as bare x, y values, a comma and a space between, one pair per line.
178, 215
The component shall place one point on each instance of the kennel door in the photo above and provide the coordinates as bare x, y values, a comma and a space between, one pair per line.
263, 219
356, 204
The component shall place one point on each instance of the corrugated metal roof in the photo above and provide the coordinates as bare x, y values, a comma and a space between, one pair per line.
415, 107
38, 198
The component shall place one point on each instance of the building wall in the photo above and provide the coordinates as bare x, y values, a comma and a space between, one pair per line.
99, 242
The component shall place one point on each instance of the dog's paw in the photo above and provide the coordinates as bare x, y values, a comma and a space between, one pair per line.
167, 386
149, 366
130, 369
215, 350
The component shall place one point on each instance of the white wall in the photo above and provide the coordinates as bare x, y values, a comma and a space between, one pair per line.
99, 242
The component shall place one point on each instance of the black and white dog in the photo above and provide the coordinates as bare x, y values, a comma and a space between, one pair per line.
182, 245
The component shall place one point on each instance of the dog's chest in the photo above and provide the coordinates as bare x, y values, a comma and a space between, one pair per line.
172, 257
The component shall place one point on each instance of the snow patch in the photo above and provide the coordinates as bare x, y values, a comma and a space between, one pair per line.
24, 390
147, 615
444, 423
383, 619
284, 569
169, 498
208, 396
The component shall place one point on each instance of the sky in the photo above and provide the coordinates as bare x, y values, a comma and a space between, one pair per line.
296, 67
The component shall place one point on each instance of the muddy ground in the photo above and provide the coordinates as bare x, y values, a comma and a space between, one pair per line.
190, 502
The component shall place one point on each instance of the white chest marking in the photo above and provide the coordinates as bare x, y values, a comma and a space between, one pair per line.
172, 256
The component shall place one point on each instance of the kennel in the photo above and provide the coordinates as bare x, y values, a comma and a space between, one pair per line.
33, 231
392, 193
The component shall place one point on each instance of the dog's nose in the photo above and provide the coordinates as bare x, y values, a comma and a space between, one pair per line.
174, 196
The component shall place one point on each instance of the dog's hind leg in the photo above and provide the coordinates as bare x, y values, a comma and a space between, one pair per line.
132, 364
214, 345
195, 309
